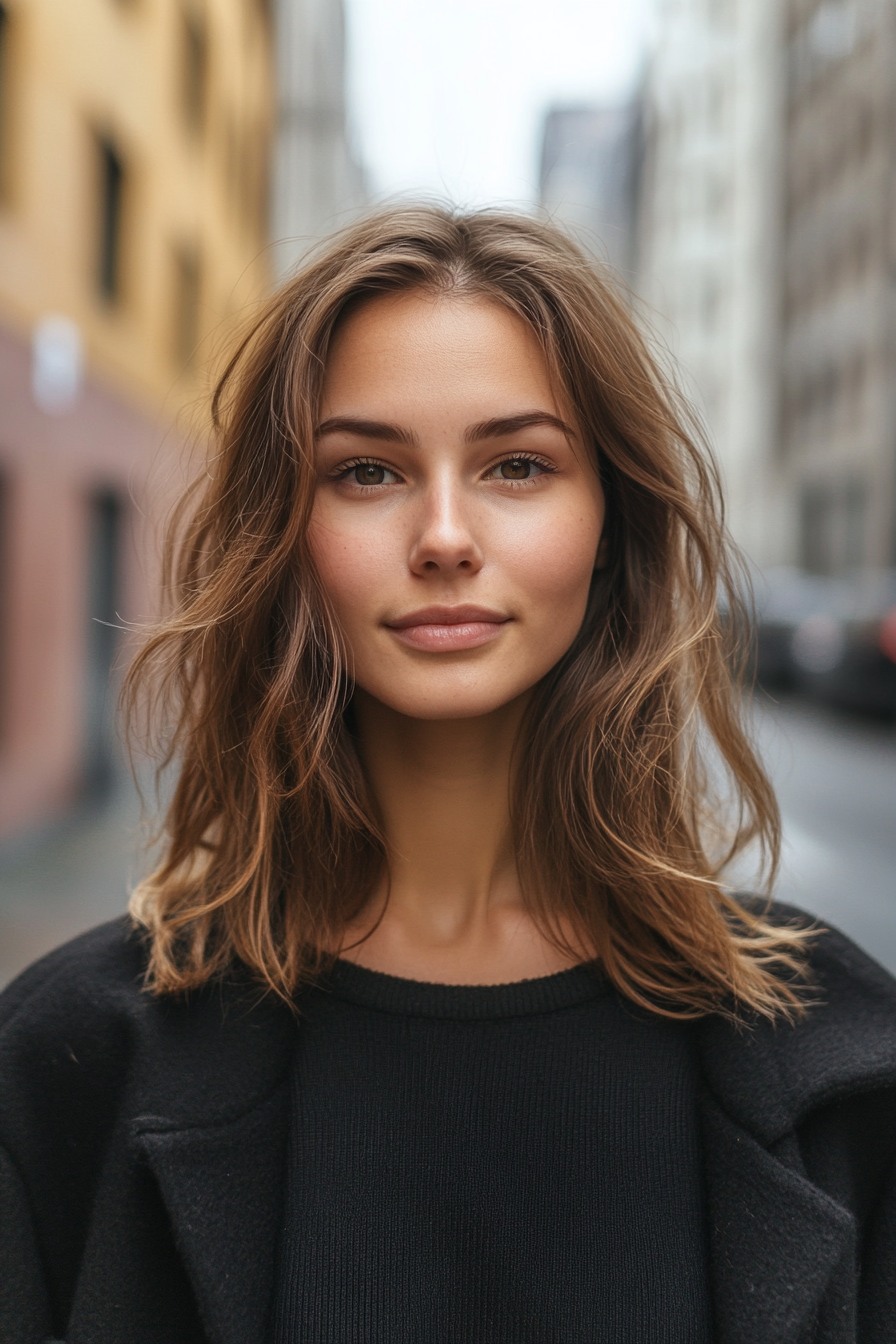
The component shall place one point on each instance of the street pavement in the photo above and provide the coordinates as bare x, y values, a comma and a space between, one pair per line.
68, 880
836, 783
836, 779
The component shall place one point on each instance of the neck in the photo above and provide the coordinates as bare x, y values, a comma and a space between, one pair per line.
452, 908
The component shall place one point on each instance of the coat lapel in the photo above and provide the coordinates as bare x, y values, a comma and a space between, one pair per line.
776, 1240
212, 1126
223, 1188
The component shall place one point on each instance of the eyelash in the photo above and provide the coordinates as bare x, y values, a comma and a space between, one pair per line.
341, 472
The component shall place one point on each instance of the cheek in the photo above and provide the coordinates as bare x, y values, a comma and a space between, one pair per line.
349, 566
557, 561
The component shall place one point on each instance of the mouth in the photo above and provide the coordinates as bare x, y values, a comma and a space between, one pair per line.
448, 629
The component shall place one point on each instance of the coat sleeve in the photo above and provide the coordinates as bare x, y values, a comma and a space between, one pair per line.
24, 1303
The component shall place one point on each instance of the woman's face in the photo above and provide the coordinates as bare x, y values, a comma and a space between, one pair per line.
458, 514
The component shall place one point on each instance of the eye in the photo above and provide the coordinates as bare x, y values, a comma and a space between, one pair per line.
366, 473
517, 469
369, 473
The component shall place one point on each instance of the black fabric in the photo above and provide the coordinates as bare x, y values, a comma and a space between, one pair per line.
143, 1157
514, 1163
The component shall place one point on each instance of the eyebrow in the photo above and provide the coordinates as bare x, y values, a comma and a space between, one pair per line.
366, 429
497, 428
512, 424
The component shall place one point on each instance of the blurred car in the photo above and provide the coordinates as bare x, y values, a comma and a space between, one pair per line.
835, 639
784, 598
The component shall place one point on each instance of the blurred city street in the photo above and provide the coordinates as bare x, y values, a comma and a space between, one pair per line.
836, 783
75, 878
836, 779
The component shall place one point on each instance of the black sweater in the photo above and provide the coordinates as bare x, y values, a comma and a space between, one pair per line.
143, 1157
514, 1163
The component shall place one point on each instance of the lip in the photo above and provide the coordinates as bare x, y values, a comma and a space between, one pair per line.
448, 629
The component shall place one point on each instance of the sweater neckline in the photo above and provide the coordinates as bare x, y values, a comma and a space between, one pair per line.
417, 998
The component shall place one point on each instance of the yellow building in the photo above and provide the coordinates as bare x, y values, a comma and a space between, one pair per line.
134, 152
135, 143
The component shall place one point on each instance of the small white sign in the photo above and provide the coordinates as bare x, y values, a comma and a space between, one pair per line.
57, 364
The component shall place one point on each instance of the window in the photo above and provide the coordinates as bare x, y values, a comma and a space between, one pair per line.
187, 287
103, 588
833, 526
832, 29
112, 186
710, 301
194, 72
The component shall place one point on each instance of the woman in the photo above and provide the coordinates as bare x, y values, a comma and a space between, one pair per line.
437, 1022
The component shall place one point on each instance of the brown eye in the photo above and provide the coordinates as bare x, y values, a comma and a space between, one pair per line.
369, 473
516, 469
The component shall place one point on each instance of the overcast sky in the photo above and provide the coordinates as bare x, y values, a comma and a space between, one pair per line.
447, 96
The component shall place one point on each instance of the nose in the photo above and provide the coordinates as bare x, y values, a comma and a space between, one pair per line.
444, 541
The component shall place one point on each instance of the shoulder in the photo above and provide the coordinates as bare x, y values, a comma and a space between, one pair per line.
77, 989
67, 1031
773, 1076
69, 1027
80, 1030
853, 1023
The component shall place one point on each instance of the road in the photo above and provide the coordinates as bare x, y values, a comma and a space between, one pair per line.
836, 782
836, 779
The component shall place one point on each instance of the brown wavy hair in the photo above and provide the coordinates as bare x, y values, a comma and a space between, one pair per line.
635, 783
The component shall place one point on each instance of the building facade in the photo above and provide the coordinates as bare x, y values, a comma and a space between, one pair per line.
589, 177
769, 252
709, 238
838, 372
317, 181
134, 182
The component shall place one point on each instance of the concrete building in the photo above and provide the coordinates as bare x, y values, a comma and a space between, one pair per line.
838, 393
709, 238
317, 182
589, 177
134, 150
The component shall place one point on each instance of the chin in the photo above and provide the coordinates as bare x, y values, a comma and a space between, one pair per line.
466, 704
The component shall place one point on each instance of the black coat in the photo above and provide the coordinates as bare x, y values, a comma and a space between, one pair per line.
142, 1157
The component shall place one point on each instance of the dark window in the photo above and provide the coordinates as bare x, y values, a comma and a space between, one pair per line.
833, 527
112, 185
187, 281
854, 525
195, 72
816, 508
104, 578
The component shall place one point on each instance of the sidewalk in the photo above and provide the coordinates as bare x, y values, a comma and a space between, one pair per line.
78, 876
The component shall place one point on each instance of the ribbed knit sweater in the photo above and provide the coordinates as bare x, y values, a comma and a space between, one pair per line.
479, 1164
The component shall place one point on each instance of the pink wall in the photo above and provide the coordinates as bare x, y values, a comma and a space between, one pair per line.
51, 465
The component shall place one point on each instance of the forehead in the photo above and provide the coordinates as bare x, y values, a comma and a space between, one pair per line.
415, 347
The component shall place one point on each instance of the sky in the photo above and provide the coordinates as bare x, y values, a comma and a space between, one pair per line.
446, 97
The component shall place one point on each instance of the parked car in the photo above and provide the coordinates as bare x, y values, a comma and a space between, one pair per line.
833, 638
784, 599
